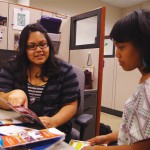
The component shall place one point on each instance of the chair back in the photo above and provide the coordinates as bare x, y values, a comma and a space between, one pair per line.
6, 55
81, 79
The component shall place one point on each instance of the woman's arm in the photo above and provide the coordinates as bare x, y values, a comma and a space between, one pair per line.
63, 116
14, 97
142, 145
104, 139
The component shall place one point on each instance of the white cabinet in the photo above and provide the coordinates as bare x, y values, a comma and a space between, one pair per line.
118, 85
125, 84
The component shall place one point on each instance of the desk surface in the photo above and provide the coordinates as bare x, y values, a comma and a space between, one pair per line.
10, 114
63, 146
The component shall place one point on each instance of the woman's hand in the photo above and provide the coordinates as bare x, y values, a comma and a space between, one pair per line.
99, 140
94, 142
88, 148
17, 98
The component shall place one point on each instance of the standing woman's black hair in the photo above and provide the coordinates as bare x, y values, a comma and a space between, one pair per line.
135, 28
49, 68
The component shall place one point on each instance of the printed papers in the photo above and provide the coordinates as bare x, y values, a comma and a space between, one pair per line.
21, 18
26, 114
29, 136
78, 145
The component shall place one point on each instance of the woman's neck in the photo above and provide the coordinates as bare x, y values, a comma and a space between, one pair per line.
34, 76
144, 77
34, 71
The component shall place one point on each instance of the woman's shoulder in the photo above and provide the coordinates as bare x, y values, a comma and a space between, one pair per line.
63, 65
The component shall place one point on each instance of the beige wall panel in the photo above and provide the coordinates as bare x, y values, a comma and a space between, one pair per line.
45, 13
3, 29
108, 82
65, 39
126, 84
34, 16
146, 5
79, 58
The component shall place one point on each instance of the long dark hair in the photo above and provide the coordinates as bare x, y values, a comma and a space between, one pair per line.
50, 68
135, 28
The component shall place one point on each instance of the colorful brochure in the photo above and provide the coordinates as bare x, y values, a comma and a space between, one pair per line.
78, 145
25, 136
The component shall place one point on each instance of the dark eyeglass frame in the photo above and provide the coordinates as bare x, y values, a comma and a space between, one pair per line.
34, 46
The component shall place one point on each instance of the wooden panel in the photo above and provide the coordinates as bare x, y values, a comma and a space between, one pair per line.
100, 67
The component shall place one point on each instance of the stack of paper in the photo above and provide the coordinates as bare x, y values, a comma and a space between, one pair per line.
15, 136
54, 36
78, 145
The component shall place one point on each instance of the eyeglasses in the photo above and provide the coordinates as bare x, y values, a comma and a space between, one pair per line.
34, 46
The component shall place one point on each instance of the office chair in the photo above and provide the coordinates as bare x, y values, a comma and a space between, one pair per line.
81, 120
6, 55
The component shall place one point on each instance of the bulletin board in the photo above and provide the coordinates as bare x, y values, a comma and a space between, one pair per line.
3, 24
14, 17
13, 32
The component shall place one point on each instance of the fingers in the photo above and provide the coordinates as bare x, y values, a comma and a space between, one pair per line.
17, 102
18, 98
26, 104
13, 101
87, 148
92, 141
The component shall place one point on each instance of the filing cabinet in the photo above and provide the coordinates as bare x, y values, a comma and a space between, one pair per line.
90, 102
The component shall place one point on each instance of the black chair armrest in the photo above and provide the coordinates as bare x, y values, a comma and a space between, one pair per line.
83, 119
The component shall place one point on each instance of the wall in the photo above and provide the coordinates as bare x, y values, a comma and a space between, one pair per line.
12, 1
75, 7
145, 5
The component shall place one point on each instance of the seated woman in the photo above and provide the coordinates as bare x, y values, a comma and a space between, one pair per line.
131, 36
36, 79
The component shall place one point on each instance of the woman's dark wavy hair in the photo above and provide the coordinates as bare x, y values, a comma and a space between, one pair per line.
50, 68
135, 28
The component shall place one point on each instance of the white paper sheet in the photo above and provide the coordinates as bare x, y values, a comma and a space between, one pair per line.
21, 18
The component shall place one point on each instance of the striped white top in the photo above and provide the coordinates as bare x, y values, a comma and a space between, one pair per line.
34, 92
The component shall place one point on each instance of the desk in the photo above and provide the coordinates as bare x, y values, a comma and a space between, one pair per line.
10, 114
63, 146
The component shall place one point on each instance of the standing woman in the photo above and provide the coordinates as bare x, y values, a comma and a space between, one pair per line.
36, 79
131, 36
